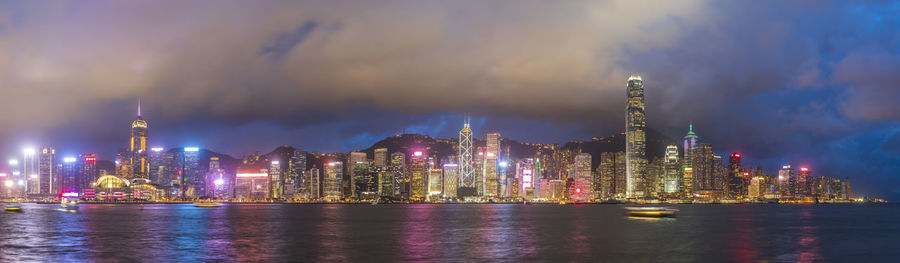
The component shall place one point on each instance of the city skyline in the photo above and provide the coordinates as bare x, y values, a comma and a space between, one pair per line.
821, 98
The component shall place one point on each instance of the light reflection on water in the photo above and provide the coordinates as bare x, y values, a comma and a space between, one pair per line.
510, 232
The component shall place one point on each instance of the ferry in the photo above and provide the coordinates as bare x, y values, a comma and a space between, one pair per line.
69, 201
209, 204
650, 211
13, 207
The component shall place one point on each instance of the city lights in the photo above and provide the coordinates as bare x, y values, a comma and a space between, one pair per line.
8, 183
157, 149
191, 149
28, 151
69, 159
13, 162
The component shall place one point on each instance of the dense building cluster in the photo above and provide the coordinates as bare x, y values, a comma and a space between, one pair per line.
463, 169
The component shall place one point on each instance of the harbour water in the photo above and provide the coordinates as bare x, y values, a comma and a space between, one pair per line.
451, 232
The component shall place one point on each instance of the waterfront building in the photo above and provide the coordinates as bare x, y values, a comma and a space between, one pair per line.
525, 172
220, 185
703, 168
635, 139
804, 182
46, 168
672, 181
333, 177
69, 176
138, 161
491, 175
687, 181
30, 172
156, 170
276, 182
190, 181
757, 188
737, 186
691, 143
583, 176
435, 182
400, 175
467, 185
365, 181
786, 180
314, 185
88, 171
451, 180
557, 190
417, 187
251, 184
298, 178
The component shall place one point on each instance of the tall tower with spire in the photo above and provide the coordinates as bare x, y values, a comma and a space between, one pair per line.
635, 139
139, 162
690, 144
467, 178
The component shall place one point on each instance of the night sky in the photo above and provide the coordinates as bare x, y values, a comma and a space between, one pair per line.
811, 83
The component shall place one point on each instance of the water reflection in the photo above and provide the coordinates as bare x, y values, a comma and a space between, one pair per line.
420, 235
330, 234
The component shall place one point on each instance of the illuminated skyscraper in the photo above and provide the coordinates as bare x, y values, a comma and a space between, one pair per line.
157, 168
89, 172
381, 155
191, 182
276, 182
804, 186
451, 180
690, 144
466, 171
46, 175
525, 173
138, 151
314, 184
298, 174
69, 176
333, 176
399, 174
737, 182
786, 180
583, 175
672, 171
635, 139
219, 185
417, 176
491, 176
435, 181
364, 181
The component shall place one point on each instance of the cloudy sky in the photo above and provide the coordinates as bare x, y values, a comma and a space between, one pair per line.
811, 83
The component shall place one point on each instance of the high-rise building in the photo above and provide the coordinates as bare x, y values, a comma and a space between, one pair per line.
804, 182
635, 139
314, 184
703, 168
786, 180
298, 174
333, 177
381, 155
672, 179
30, 171
138, 161
583, 178
435, 182
737, 182
451, 180
220, 186
691, 142
687, 181
417, 174
467, 185
46, 176
251, 183
191, 182
525, 173
364, 181
276, 182
385, 181
491, 175
756, 189
69, 176
400, 175
156, 170
89, 172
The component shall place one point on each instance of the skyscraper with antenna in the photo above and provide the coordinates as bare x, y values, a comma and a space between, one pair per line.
467, 182
140, 164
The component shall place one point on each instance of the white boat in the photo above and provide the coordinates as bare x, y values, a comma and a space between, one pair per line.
12, 207
68, 204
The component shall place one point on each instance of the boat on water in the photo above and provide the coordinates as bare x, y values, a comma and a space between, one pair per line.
68, 204
650, 211
207, 204
12, 207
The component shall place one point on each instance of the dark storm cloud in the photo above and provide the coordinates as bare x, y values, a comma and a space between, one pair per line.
781, 81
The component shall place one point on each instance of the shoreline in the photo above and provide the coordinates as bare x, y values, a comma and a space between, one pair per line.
447, 203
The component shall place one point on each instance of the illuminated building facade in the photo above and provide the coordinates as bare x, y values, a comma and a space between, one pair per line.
191, 181
804, 185
583, 177
467, 185
46, 176
298, 174
491, 175
525, 173
333, 177
351, 174
400, 175
672, 179
381, 155
251, 185
786, 180
139, 163
159, 164
451, 180
635, 139
691, 142
220, 185
737, 182
435, 182
703, 168
314, 185
417, 176
276, 181
69, 176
